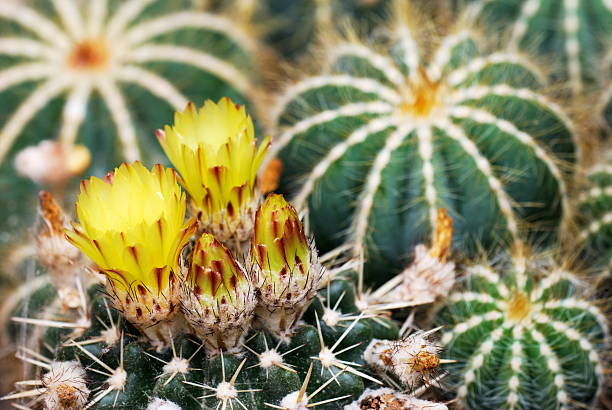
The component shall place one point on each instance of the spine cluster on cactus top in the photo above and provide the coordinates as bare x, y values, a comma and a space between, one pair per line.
132, 227
524, 336
461, 117
215, 151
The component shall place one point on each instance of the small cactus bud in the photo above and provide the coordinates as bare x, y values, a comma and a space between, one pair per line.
64, 262
429, 276
50, 163
387, 399
132, 226
413, 359
161, 404
285, 264
215, 151
218, 298
65, 386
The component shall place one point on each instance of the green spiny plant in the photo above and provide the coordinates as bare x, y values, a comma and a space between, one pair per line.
186, 320
100, 76
299, 21
525, 335
573, 34
595, 206
386, 135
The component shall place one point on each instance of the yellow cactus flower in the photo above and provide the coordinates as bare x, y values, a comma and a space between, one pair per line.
285, 264
219, 299
215, 151
132, 225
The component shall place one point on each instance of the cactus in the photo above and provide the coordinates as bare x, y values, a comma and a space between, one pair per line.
385, 136
298, 22
595, 205
571, 32
173, 318
100, 76
525, 336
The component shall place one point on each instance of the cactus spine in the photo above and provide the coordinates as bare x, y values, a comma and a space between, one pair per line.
524, 336
462, 116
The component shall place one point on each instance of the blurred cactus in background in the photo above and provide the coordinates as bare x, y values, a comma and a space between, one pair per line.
384, 136
573, 33
100, 76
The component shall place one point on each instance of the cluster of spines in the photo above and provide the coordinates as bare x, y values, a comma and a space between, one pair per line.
324, 363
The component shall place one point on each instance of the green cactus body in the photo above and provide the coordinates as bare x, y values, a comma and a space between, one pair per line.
595, 205
122, 371
299, 20
573, 32
106, 75
523, 338
382, 138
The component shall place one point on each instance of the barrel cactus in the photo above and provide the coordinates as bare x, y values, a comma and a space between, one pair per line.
571, 32
100, 76
595, 205
160, 314
525, 335
384, 136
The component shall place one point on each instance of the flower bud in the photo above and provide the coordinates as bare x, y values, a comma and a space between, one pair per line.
285, 264
64, 262
218, 298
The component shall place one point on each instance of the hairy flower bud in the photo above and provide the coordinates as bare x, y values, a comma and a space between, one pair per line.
285, 265
218, 298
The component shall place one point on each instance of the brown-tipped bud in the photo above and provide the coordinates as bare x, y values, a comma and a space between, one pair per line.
285, 265
218, 298
443, 235
388, 399
429, 276
64, 262
65, 386
413, 359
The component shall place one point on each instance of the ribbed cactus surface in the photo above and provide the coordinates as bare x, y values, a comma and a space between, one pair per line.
524, 337
299, 23
383, 136
100, 76
595, 205
573, 34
